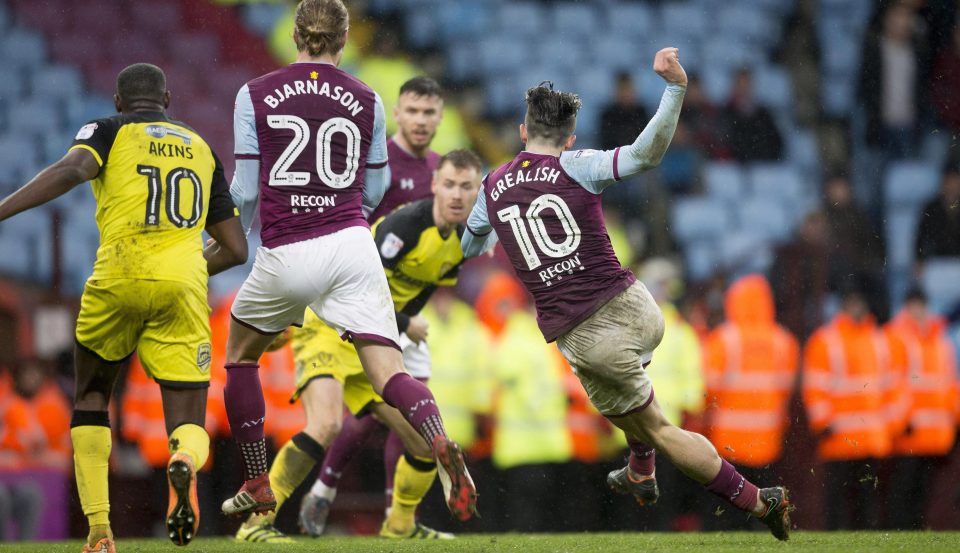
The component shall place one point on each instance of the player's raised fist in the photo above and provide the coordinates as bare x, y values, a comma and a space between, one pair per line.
667, 64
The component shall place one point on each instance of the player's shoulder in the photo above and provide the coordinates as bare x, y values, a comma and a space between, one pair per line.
412, 218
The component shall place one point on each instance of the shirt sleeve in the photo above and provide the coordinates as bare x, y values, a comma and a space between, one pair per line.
395, 237
97, 137
479, 236
245, 187
595, 170
221, 204
377, 176
246, 143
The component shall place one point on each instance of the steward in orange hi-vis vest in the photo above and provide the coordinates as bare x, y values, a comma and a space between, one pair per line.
750, 368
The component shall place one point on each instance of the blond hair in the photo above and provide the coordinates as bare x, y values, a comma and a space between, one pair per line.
321, 26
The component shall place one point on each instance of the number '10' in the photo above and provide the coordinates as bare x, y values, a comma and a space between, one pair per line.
154, 196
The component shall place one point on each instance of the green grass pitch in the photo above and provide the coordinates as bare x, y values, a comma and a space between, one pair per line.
740, 542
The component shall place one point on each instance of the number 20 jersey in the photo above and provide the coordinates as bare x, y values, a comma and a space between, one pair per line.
158, 187
552, 229
314, 128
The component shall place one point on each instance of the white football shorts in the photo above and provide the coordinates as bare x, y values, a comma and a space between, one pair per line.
339, 276
416, 357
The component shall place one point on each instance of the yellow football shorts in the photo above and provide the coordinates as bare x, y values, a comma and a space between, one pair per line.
166, 322
319, 352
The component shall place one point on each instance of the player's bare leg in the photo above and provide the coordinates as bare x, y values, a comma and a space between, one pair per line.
243, 397
384, 367
92, 442
184, 411
696, 457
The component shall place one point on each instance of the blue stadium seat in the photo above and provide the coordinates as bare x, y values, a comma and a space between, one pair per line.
617, 53
773, 87
777, 181
423, 28
12, 84
685, 17
23, 48
901, 230
56, 82
17, 153
5, 19
747, 23
496, 54
717, 83
940, 280
745, 252
30, 237
803, 151
910, 183
699, 218
522, 18
462, 18
34, 117
729, 53
563, 51
765, 218
838, 96
578, 20
463, 60
701, 259
724, 181
631, 20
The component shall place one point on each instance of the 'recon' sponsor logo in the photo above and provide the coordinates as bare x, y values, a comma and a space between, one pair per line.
203, 357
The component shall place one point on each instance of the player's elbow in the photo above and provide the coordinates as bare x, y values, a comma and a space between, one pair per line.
238, 253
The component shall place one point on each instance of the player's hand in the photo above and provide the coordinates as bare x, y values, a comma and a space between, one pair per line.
667, 64
417, 329
280, 341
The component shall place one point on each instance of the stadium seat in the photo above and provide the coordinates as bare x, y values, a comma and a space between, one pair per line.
747, 23
727, 53
777, 181
838, 96
34, 117
744, 252
463, 60
901, 231
578, 20
717, 83
12, 84
803, 151
423, 29
773, 88
631, 20
765, 218
701, 259
941, 281
699, 218
515, 19
158, 15
910, 184
55, 82
685, 17
22, 48
566, 53
462, 18
724, 181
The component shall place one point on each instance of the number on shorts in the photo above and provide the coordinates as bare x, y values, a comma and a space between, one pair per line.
155, 193
280, 175
545, 244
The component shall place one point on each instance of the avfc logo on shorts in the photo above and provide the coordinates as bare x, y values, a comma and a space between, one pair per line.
203, 357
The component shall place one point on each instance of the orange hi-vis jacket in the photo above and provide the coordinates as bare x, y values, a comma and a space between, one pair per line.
750, 369
930, 378
35, 432
850, 390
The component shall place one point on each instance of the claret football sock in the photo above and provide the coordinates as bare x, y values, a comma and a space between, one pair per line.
642, 458
347, 443
293, 463
414, 477
243, 398
731, 486
415, 402
92, 443
392, 451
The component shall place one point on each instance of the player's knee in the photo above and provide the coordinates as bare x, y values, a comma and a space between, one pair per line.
324, 432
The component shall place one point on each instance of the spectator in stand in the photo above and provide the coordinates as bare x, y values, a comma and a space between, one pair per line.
619, 122
799, 277
945, 82
856, 249
939, 232
751, 130
702, 118
854, 408
930, 381
750, 364
889, 83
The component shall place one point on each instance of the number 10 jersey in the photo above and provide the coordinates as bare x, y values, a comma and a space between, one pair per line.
315, 130
551, 226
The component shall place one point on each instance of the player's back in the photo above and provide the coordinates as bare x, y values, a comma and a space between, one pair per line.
158, 183
552, 228
314, 127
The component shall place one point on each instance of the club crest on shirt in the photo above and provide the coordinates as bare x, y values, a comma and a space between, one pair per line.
391, 246
86, 131
203, 357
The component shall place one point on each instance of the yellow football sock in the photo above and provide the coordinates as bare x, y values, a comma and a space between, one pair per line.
293, 463
192, 440
91, 459
411, 482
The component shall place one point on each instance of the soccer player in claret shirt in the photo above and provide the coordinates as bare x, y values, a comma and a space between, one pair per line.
311, 145
418, 113
412, 166
545, 208
158, 185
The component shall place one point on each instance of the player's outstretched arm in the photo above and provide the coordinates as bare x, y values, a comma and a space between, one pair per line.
228, 247
479, 235
74, 168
